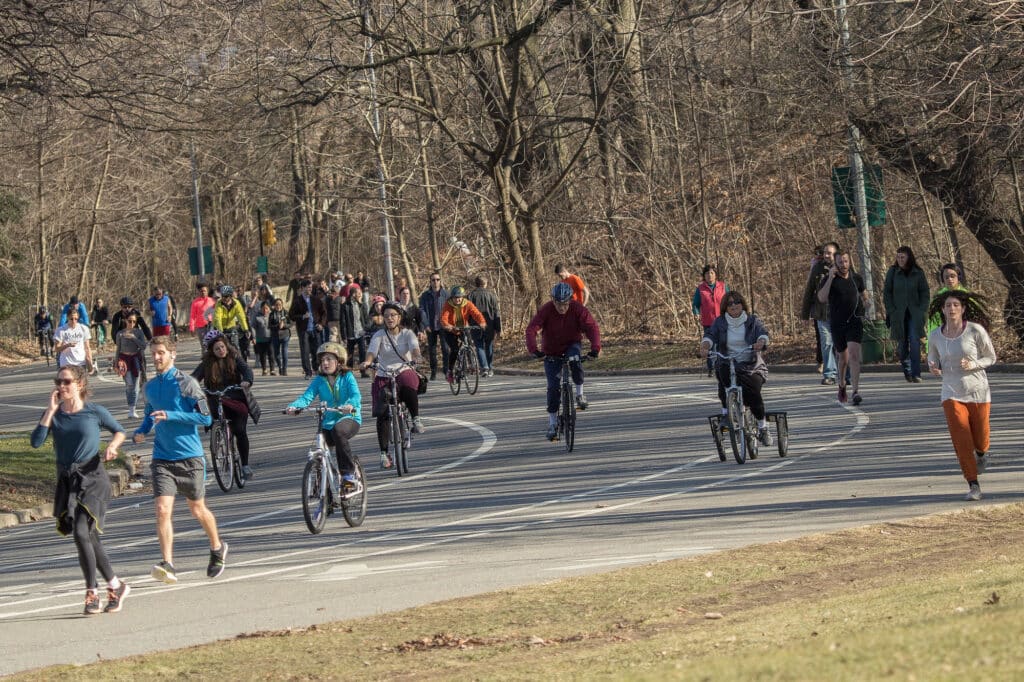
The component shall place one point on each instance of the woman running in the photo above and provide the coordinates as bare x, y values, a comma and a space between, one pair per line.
129, 359
959, 351
83, 486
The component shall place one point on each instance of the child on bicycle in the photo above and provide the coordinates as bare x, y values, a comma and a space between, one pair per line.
335, 386
222, 366
458, 312
391, 347
736, 329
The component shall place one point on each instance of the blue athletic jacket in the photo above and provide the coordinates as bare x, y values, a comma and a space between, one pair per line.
179, 395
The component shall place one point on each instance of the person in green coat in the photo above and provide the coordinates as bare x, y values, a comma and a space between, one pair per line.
906, 307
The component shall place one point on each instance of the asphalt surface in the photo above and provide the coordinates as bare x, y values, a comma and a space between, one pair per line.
489, 504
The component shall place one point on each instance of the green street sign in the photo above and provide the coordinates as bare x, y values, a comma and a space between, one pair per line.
262, 265
193, 261
843, 195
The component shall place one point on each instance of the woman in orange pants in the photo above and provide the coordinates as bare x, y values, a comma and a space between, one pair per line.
959, 351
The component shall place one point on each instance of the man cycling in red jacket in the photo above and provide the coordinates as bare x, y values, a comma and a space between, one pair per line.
562, 323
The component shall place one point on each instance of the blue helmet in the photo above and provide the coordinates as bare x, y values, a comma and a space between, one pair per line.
227, 290
561, 292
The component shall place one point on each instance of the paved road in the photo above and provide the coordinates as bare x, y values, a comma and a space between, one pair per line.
491, 504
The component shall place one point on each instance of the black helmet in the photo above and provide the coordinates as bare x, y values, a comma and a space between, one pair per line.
126, 300
391, 305
457, 292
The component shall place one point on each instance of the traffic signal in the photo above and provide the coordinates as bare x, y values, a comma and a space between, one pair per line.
269, 232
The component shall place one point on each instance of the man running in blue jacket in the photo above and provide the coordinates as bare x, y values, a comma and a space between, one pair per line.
174, 407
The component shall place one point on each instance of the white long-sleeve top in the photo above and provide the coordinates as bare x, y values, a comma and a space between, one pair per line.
959, 384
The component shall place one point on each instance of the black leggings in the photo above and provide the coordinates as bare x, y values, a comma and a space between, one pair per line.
751, 384
91, 555
338, 438
411, 398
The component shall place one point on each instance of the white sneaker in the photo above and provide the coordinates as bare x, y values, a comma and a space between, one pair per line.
981, 461
132, 414
974, 494
417, 425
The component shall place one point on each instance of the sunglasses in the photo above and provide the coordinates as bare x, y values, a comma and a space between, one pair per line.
63, 382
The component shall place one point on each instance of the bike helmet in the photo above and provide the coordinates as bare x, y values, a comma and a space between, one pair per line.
127, 300
227, 290
561, 292
457, 292
391, 305
335, 349
212, 336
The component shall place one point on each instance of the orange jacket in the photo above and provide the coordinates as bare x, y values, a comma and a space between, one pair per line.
461, 316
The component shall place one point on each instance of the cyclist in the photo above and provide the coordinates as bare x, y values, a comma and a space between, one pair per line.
391, 346
43, 322
457, 312
335, 386
562, 323
229, 317
222, 366
735, 329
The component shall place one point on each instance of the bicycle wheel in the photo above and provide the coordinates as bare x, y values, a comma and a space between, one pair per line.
397, 443
353, 507
568, 417
406, 432
471, 376
782, 434
735, 421
237, 462
457, 371
716, 433
750, 434
314, 495
223, 462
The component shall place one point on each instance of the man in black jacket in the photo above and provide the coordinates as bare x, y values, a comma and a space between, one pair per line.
487, 303
431, 304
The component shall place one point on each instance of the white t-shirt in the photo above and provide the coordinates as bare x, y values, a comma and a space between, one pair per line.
77, 337
383, 350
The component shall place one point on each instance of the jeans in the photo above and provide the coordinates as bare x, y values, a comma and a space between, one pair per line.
308, 343
909, 350
828, 356
553, 372
433, 337
484, 341
279, 349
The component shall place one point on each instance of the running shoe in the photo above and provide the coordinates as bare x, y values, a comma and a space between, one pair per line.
581, 402
764, 436
449, 377
217, 557
385, 460
92, 603
981, 461
552, 432
417, 426
164, 572
133, 414
115, 598
828, 381
246, 471
857, 400
974, 494
842, 393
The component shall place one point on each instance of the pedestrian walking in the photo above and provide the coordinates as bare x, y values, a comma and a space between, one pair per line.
906, 306
707, 302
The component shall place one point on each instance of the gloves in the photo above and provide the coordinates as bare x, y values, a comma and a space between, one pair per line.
538, 354
594, 353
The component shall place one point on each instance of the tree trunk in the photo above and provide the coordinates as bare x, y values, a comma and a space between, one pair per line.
94, 218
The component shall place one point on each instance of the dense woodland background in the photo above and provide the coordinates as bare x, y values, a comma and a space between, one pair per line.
633, 140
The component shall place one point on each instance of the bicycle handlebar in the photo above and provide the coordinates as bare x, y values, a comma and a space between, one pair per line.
221, 392
731, 356
377, 367
565, 358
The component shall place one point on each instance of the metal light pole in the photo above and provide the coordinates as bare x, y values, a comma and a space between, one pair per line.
197, 217
856, 162
383, 192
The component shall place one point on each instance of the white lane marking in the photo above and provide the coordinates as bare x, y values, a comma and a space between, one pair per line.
24, 407
664, 555
360, 570
862, 421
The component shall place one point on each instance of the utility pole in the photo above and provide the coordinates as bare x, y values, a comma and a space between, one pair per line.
856, 161
389, 272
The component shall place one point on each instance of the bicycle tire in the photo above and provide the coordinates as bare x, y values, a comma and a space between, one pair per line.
568, 418
237, 464
782, 435
406, 433
353, 508
750, 434
223, 463
314, 495
716, 434
471, 377
456, 384
735, 417
395, 435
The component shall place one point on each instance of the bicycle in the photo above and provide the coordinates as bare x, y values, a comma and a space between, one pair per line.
227, 463
566, 424
740, 422
400, 427
467, 364
45, 338
321, 483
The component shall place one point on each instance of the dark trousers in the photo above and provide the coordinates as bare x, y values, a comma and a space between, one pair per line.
263, 353
308, 343
356, 349
91, 555
553, 372
433, 337
408, 382
279, 347
751, 384
338, 438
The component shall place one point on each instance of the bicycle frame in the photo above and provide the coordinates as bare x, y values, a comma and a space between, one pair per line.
400, 430
741, 433
566, 398
233, 474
